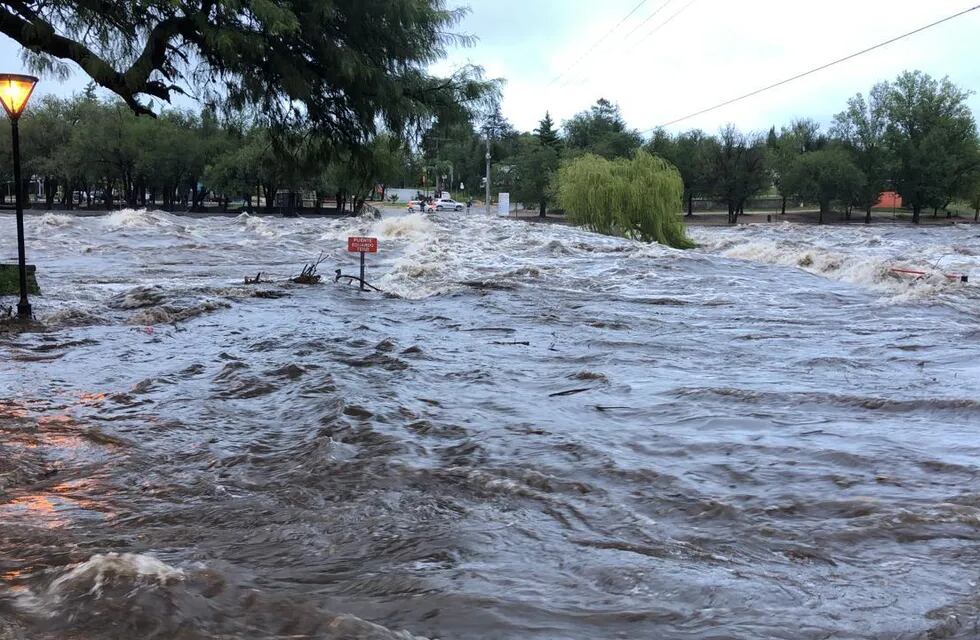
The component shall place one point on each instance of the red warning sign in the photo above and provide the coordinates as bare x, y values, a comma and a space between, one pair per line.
362, 245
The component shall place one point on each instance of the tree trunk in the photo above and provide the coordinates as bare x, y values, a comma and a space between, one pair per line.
690, 204
270, 197
544, 209
50, 191
976, 215
867, 216
935, 212
784, 206
340, 202
916, 213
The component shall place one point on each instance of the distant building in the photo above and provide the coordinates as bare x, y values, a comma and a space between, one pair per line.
889, 200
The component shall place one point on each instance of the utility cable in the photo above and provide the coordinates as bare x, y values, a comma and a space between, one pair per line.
596, 44
815, 70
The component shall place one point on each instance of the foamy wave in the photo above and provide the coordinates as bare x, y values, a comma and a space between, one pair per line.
73, 317
415, 226
57, 220
94, 575
136, 219
257, 225
172, 314
856, 256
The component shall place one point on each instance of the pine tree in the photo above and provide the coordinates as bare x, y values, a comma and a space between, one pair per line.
546, 132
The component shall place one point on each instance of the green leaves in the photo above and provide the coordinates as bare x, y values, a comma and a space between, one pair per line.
601, 131
636, 198
338, 70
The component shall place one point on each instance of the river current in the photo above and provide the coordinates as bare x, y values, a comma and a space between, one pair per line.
535, 432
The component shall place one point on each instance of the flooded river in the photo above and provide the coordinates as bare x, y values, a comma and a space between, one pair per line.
535, 433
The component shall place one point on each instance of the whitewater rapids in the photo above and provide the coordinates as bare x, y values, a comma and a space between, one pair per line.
535, 432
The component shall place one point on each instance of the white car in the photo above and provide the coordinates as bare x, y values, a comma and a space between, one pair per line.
448, 204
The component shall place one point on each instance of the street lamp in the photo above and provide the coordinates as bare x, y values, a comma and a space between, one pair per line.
15, 91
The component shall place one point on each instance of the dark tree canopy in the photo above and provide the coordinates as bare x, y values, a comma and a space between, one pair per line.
602, 130
342, 68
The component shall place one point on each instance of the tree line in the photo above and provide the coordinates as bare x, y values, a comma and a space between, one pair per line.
915, 135
92, 152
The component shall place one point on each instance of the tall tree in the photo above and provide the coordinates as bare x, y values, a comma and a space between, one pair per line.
738, 164
691, 152
534, 165
861, 130
932, 135
602, 130
827, 175
546, 132
340, 70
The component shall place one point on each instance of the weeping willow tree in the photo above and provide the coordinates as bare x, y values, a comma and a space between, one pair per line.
635, 198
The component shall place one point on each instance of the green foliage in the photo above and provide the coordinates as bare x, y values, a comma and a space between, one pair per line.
971, 192
532, 168
826, 176
691, 152
451, 147
601, 131
546, 132
932, 137
635, 198
861, 130
340, 71
738, 164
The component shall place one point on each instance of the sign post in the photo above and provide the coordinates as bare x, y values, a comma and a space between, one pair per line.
362, 245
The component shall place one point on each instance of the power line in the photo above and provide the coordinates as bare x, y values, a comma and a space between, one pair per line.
663, 24
596, 44
648, 19
625, 38
631, 48
815, 70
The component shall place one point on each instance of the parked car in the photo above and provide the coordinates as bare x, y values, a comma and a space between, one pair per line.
448, 204
415, 205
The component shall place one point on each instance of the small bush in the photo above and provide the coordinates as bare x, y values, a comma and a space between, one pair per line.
636, 198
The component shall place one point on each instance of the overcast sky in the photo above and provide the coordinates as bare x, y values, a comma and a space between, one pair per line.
694, 54
708, 52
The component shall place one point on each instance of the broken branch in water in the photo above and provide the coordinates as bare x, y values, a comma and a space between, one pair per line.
570, 392
309, 275
256, 280
353, 279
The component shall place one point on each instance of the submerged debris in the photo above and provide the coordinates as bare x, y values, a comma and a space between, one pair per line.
309, 275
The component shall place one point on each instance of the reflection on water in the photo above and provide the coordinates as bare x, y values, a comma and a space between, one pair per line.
534, 433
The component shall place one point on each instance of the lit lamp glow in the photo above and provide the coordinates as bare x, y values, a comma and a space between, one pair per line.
15, 91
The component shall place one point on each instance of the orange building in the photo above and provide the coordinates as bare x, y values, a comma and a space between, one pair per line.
889, 200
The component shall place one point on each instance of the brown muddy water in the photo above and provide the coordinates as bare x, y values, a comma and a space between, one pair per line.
536, 433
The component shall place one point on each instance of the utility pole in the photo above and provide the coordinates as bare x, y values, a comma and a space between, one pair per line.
488, 173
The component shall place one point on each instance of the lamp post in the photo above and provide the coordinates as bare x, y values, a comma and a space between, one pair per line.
15, 91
